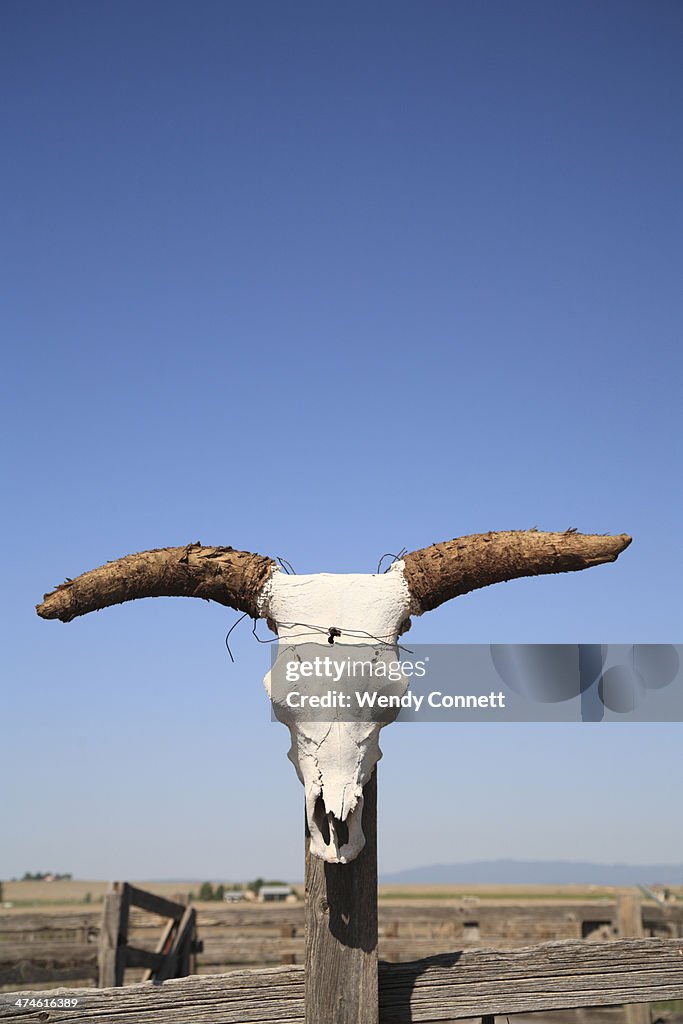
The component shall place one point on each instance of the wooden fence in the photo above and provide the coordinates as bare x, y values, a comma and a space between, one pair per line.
43, 949
173, 955
449, 987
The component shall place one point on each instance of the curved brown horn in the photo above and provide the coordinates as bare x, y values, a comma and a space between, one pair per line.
442, 571
230, 577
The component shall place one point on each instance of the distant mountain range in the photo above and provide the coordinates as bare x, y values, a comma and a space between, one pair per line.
537, 872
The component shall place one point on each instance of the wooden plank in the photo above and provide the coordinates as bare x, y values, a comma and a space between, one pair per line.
63, 953
155, 904
136, 957
124, 888
551, 976
186, 935
472, 983
341, 931
162, 947
13, 923
171, 961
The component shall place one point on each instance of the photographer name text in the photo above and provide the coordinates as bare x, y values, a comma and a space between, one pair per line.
372, 699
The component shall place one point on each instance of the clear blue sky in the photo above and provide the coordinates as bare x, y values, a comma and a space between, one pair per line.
324, 281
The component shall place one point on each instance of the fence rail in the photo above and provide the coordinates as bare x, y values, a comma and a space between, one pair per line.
452, 986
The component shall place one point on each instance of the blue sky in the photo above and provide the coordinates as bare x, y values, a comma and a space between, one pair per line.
326, 281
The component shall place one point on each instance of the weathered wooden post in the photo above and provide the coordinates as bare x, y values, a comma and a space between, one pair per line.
336, 764
113, 936
341, 930
630, 925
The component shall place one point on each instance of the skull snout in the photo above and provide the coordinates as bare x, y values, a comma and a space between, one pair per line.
335, 839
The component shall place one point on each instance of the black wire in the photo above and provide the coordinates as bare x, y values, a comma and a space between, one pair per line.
227, 635
390, 555
393, 557
386, 641
287, 566
270, 640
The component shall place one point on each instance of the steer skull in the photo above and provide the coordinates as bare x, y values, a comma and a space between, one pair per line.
333, 760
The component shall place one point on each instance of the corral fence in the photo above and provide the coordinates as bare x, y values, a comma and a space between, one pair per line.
48, 949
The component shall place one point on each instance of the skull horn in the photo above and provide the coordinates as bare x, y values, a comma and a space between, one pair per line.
442, 571
232, 578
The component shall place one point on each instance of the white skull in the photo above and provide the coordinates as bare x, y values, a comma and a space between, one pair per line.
334, 759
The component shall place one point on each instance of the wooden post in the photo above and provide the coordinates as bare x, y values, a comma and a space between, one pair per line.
113, 936
341, 931
630, 925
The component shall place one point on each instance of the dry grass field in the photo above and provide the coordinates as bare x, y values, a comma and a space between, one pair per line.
499, 893
65, 895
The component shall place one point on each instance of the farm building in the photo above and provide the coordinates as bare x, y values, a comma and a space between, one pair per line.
276, 894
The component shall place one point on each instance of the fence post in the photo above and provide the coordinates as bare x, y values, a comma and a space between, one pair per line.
630, 925
111, 958
341, 931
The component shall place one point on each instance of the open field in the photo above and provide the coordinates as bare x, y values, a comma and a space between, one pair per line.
77, 892
65, 895
499, 893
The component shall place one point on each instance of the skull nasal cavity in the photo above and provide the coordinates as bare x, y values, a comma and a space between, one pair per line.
342, 830
322, 821
320, 818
